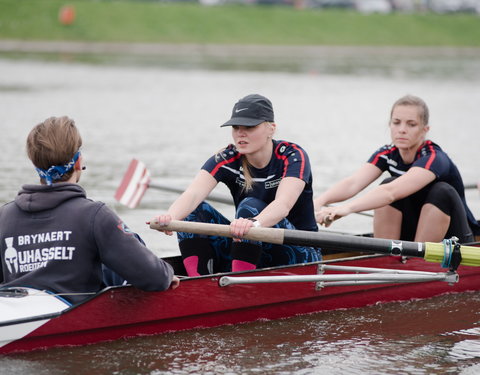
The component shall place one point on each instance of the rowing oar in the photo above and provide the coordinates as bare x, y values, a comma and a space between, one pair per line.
137, 180
219, 198
472, 186
449, 253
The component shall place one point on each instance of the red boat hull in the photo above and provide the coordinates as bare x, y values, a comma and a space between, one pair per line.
123, 312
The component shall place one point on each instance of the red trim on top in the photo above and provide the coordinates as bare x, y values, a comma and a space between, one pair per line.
432, 156
285, 158
302, 167
282, 157
221, 164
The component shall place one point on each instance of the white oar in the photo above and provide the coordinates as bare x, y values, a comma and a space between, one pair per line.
213, 197
137, 180
133, 185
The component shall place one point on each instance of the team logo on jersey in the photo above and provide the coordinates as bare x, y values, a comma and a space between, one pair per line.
240, 182
11, 256
272, 184
20, 260
123, 227
392, 162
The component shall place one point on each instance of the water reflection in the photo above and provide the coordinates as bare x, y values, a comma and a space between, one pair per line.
466, 348
416, 337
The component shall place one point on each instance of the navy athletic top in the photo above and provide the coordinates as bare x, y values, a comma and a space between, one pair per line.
288, 160
429, 156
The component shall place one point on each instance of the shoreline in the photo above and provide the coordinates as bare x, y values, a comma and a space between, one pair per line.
224, 50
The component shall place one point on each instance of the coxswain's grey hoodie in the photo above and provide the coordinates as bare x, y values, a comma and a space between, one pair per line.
54, 238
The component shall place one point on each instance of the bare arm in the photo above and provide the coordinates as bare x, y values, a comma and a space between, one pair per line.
196, 192
348, 187
287, 195
415, 179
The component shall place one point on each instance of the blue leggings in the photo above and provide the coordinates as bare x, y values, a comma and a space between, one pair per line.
272, 254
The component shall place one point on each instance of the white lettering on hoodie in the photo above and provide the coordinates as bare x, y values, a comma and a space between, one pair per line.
26, 260
32, 239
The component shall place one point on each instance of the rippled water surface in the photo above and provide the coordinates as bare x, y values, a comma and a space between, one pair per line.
168, 115
436, 336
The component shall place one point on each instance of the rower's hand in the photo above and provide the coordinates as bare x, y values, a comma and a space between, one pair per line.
240, 227
175, 282
327, 215
322, 217
162, 220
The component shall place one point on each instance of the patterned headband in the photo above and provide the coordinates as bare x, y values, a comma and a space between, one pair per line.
55, 172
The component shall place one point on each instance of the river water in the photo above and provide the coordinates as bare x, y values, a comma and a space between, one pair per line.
166, 111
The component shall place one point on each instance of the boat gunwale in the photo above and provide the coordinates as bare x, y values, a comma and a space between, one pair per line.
216, 276
183, 279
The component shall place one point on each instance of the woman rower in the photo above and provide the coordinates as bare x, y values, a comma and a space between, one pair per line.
53, 238
423, 200
271, 185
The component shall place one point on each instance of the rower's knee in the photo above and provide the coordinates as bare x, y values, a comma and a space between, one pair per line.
250, 207
387, 222
444, 197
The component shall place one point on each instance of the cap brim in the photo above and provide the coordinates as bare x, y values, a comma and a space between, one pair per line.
243, 121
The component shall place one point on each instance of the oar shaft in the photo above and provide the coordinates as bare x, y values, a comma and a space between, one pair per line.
472, 186
436, 251
432, 252
300, 237
212, 197
353, 243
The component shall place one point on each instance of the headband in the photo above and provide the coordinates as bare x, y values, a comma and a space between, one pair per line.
55, 172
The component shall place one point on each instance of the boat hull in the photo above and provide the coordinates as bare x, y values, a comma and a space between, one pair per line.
122, 312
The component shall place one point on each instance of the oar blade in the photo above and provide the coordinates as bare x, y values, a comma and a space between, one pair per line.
134, 184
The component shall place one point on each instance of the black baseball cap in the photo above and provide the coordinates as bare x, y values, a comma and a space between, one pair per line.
251, 111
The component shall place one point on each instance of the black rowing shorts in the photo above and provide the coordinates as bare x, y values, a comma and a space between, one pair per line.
445, 198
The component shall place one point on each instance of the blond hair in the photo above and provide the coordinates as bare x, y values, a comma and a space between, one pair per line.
54, 142
245, 168
247, 174
412, 100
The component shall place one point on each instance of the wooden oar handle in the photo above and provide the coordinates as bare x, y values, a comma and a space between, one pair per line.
434, 252
271, 235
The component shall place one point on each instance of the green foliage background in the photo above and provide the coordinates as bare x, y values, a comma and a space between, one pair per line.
183, 22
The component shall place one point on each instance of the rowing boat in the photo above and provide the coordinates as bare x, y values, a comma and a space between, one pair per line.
33, 319
340, 281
